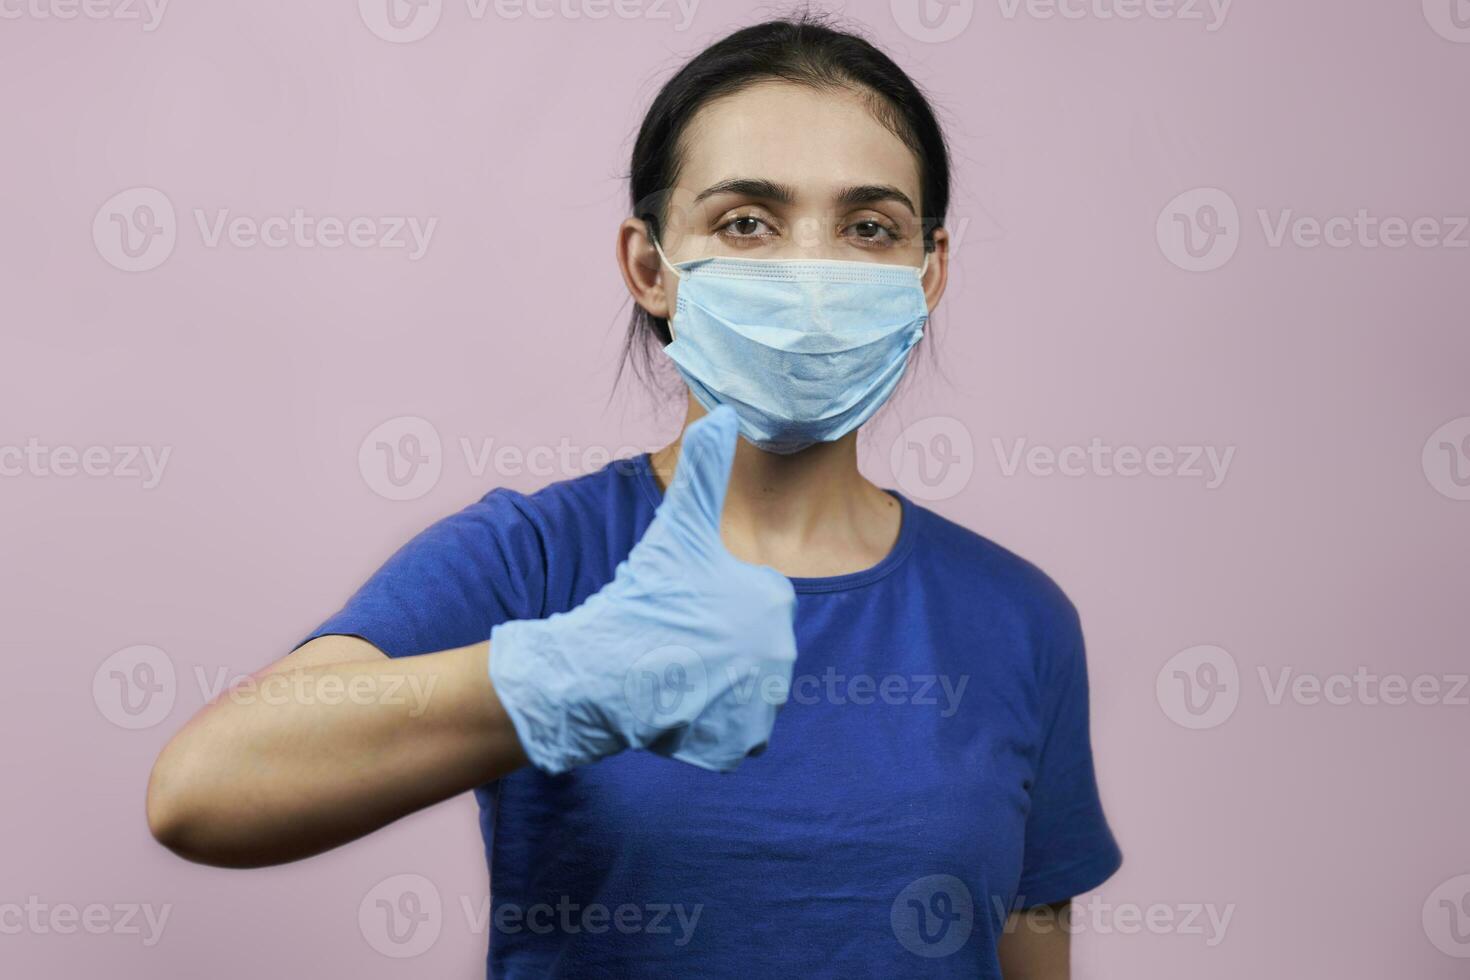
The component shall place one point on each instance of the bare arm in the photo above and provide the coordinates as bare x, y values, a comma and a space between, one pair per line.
1037, 947
327, 744
336, 740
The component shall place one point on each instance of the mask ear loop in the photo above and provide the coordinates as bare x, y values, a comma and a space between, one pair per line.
665, 258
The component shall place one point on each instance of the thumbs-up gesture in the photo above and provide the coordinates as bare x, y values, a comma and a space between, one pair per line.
687, 652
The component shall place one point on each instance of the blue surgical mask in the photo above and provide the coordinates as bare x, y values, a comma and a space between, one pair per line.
803, 351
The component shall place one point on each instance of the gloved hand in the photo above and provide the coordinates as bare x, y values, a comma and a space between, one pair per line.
687, 652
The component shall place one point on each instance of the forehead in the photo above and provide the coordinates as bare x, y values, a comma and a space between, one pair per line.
807, 137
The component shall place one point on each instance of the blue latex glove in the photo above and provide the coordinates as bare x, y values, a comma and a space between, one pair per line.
687, 652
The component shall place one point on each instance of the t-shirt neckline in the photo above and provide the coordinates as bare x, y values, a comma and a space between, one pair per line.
829, 583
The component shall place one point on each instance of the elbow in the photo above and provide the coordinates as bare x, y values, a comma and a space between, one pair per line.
169, 818
188, 815
178, 817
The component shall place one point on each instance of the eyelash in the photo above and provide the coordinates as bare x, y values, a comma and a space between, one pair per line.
886, 229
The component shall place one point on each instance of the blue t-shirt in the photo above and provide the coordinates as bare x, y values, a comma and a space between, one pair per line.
931, 771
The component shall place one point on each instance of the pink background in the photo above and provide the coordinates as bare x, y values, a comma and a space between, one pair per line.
1329, 546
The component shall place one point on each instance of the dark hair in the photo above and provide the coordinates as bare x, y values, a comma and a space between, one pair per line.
803, 49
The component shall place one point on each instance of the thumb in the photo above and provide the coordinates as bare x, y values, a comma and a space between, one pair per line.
703, 472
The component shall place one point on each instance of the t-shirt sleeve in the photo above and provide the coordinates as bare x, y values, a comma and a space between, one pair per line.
1069, 846
452, 582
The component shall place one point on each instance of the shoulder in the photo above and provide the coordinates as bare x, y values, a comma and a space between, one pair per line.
579, 502
506, 522
996, 576
574, 496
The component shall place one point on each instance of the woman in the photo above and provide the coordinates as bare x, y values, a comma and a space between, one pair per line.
647, 809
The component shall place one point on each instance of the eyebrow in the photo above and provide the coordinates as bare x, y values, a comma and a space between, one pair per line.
770, 190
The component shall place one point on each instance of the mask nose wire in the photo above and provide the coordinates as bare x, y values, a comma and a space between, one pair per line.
677, 275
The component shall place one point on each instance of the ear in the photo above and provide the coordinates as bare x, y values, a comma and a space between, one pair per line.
648, 280
936, 276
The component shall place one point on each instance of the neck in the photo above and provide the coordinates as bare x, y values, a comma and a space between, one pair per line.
808, 514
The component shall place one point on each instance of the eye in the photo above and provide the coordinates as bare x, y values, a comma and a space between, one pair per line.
872, 233
744, 226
